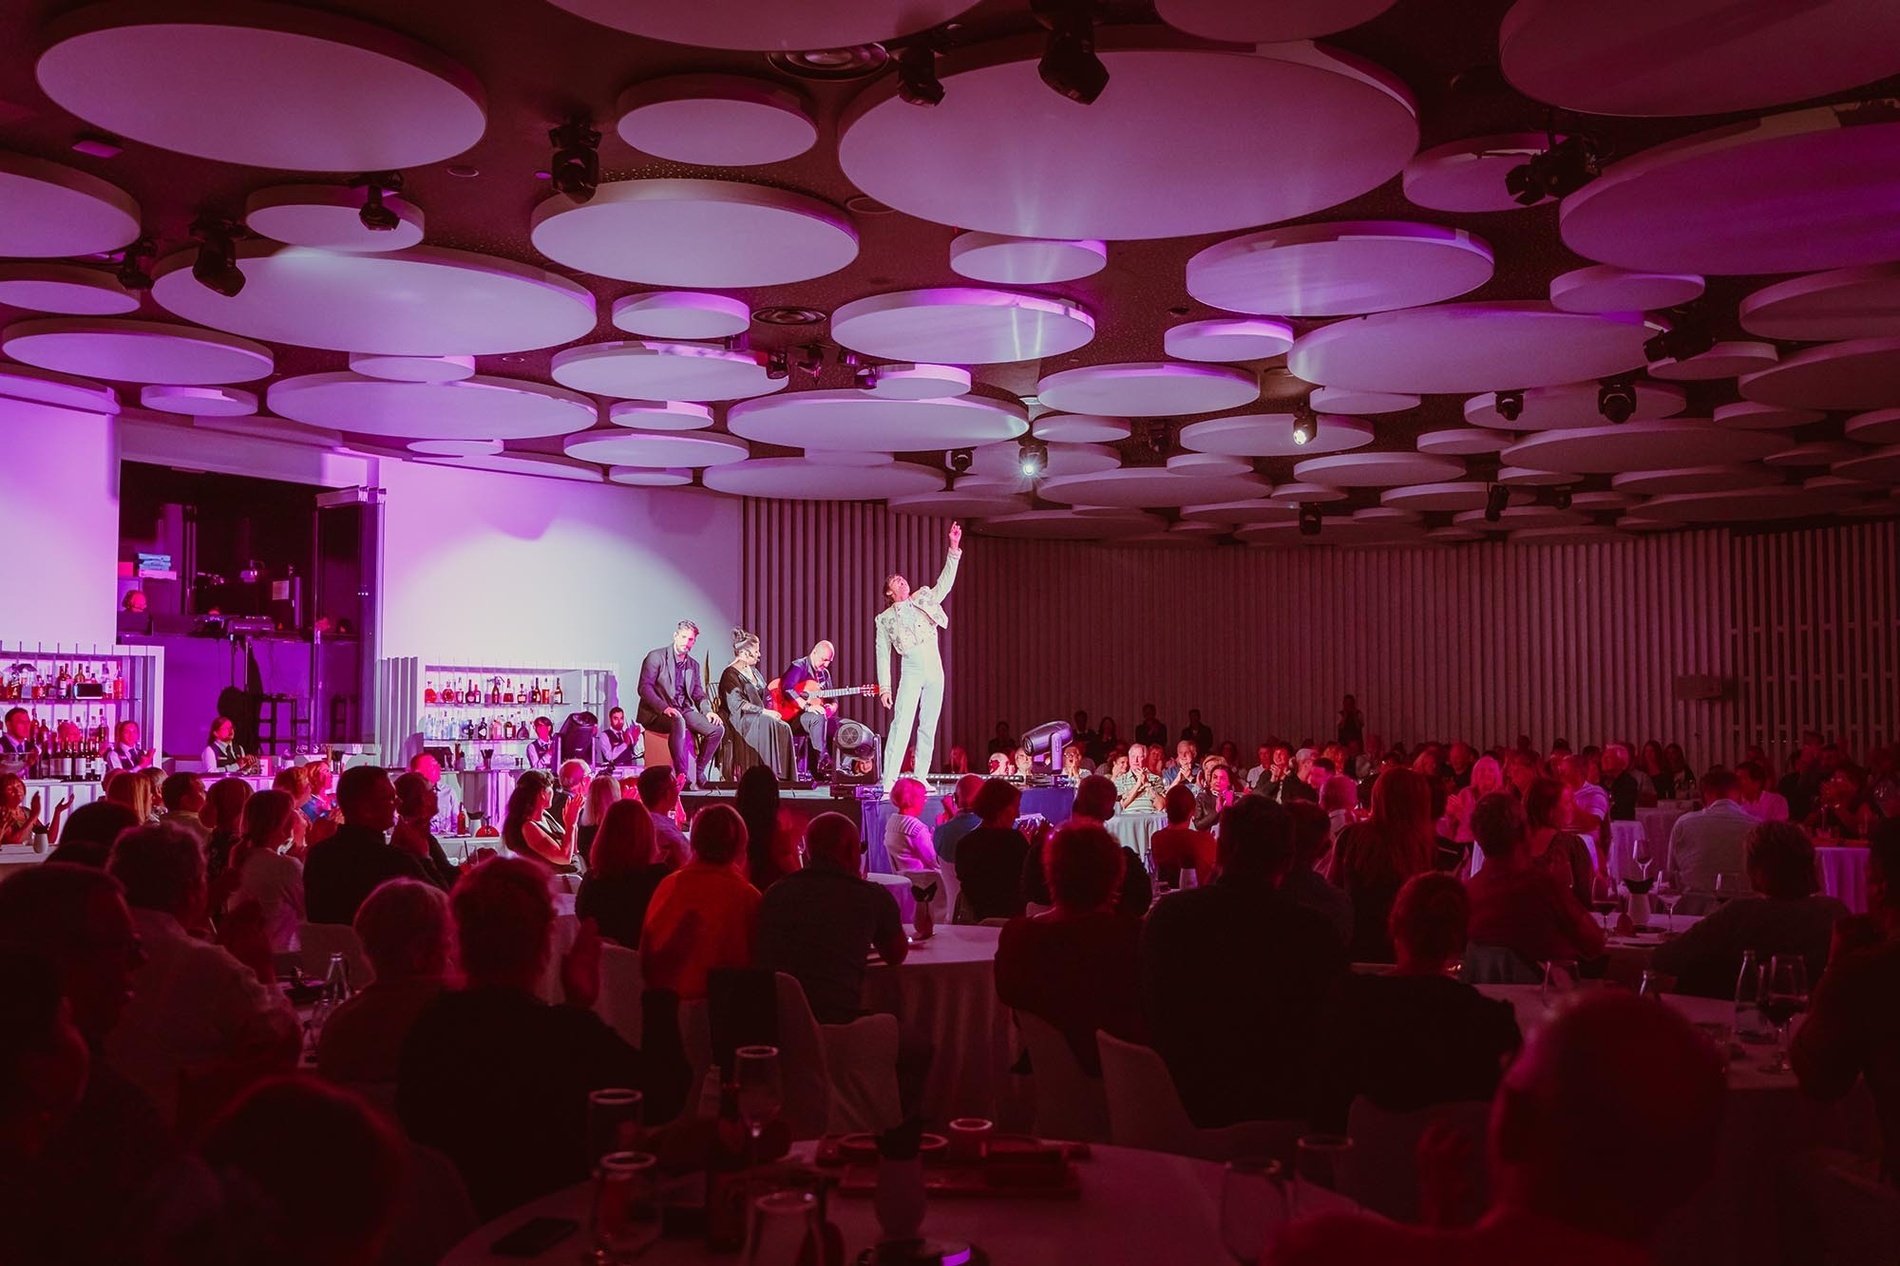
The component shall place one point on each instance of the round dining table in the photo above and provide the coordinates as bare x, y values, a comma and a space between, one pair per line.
945, 992
1842, 871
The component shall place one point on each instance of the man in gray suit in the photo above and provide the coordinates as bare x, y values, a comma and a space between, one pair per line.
673, 703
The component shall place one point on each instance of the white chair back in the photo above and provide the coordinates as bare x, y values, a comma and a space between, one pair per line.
1383, 1176
1070, 1104
801, 1059
861, 1061
1145, 1111
621, 985
320, 940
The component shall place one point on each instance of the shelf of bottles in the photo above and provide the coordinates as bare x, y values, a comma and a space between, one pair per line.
76, 696
482, 708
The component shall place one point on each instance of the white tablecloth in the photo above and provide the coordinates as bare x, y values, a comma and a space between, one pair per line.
1843, 874
946, 991
1134, 830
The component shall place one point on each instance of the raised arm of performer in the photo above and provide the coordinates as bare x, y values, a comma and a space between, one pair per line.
910, 626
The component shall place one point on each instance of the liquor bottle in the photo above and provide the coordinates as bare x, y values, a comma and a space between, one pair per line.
461, 819
560, 696
508, 691
63, 684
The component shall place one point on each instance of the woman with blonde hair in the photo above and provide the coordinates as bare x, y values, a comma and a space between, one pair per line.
264, 872
133, 790
602, 795
1373, 859
1487, 776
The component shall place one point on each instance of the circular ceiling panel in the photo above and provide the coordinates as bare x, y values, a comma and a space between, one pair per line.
847, 457
482, 407
1572, 404
713, 233
413, 368
540, 465
1209, 463
908, 380
268, 85
1847, 303
631, 448
1004, 154
68, 289
637, 369
766, 26
659, 415
1228, 340
1665, 445
1252, 510
1379, 470
1458, 347
1271, 435
1747, 415
859, 420
136, 351
1149, 486
1607, 288
43, 386
1724, 360
1462, 441
1692, 479
1644, 523
200, 402
1342, 400
1250, 22
976, 501
1450, 535
1076, 524
1879, 426
1601, 499
1529, 477
53, 210
330, 217
1580, 534
1859, 374
1881, 464
1080, 428
1148, 389
1003, 461
425, 301
1629, 57
1469, 175
1816, 453
650, 476
1024, 261
962, 325
796, 479
1300, 493
1520, 518
1315, 270
456, 448
716, 120
681, 314
1746, 506
1462, 494
1720, 203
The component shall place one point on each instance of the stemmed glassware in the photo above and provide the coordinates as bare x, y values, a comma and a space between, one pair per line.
1668, 898
1784, 995
1603, 898
1253, 1201
761, 1091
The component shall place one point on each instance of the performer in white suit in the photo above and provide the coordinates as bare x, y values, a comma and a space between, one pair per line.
909, 625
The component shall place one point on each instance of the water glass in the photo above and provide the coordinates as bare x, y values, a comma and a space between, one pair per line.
1784, 995
1253, 1206
1319, 1163
613, 1122
781, 1225
1651, 986
1560, 978
761, 1092
626, 1208
970, 1139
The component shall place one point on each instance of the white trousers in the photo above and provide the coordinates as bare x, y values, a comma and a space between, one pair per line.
918, 705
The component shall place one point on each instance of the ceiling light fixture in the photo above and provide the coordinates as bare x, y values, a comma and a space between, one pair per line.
1563, 168
375, 216
1069, 64
1510, 404
779, 315
1032, 458
216, 266
917, 80
811, 359
1496, 498
1560, 498
135, 264
777, 365
1689, 334
1616, 398
575, 170
1309, 519
1305, 424
959, 460
854, 61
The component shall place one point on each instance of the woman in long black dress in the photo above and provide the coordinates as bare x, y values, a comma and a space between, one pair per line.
748, 709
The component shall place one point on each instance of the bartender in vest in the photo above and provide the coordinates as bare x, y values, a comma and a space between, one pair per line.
542, 749
222, 755
18, 753
125, 752
616, 746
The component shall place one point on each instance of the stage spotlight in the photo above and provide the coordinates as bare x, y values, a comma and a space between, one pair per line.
1069, 64
1032, 458
1044, 744
1616, 398
811, 359
135, 263
216, 266
375, 216
1567, 166
1496, 497
1560, 499
575, 169
777, 365
1510, 405
1305, 424
959, 460
917, 80
1309, 520
1688, 336
1158, 435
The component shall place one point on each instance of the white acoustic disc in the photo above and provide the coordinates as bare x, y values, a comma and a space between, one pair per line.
686, 314
1462, 441
1249, 510
268, 85
716, 120
1814, 453
1271, 435
848, 457
1457, 347
1024, 261
768, 25
1859, 374
265, 427
1343, 400
1519, 518
1607, 288
645, 369
1580, 534
962, 325
456, 448
1692, 479
1884, 508
201, 402
1376, 525
44, 386
1145, 487
974, 501
1228, 340
1003, 461
1148, 389
1251, 22
659, 415
1300, 493
413, 368
1080, 428
1878, 426
1662, 445
330, 217
1452, 535
1721, 203
1209, 463
1846, 303
424, 301
1630, 57
1882, 464
1530, 477
1571, 404
1748, 415
48, 210
136, 351
68, 289
632, 448
1636, 522
1724, 360
650, 476
481, 407
540, 465
1378, 469
1601, 499
901, 380
1186, 139
1339, 268
796, 479
1469, 174
1749, 505
850, 419
1078, 523
712, 233
1458, 494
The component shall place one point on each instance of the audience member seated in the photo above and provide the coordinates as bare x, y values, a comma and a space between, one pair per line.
530, 829
1138, 789
1711, 842
223, 820
990, 858
950, 832
1339, 797
1620, 782
1552, 846
1847, 808
183, 796
43, 1065
1373, 858
660, 793
817, 924
404, 928
1305, 884
1094, 805
1213, 795
1181, 845
265, 874
771, 839
527, 1135
133, 790
1077, 965
1417, 1036
1515, 903
1852, 1028
622, 873
1234, 976
1606, 1123
88, 834
417, 804
712, 893
339, 872
906, 838
1752, 793
193, 1003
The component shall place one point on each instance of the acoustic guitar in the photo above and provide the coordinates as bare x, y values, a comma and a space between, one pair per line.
789, 704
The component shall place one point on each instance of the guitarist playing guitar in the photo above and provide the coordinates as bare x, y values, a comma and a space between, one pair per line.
800, 697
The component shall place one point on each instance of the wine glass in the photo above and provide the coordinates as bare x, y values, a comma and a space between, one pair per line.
1560, 978
1668, 897
1603, 898
1253, 1198
760, 1088
1641, 857
613, 1121
1319, 1163
626, 1211
1724, 887
1784, 997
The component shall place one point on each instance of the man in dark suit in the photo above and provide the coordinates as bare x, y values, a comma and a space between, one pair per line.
340, 872
673, 703
819, 717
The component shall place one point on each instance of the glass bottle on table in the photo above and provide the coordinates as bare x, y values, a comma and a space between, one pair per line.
1784, 995
1750, 1027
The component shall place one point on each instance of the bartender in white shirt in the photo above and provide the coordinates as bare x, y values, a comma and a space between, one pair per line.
222, 754
616, 745
126, 751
